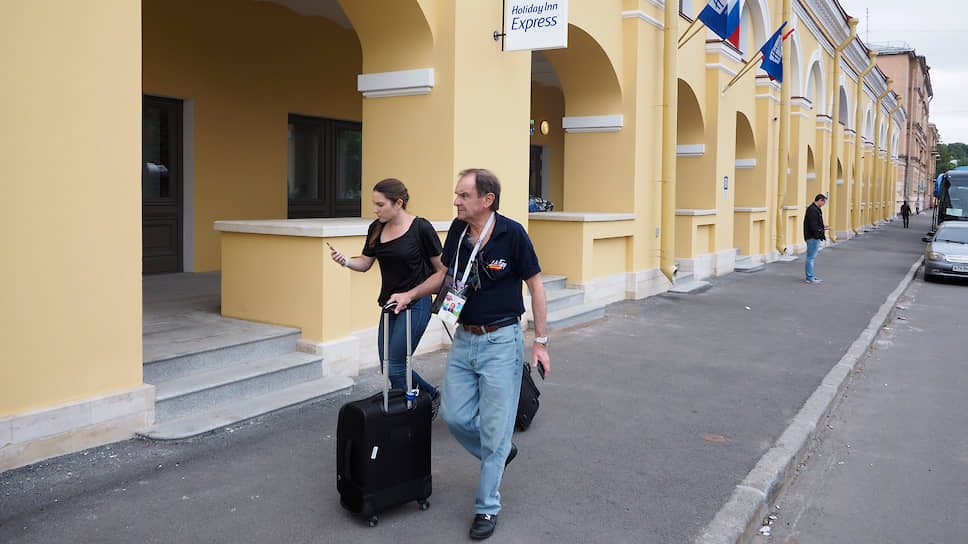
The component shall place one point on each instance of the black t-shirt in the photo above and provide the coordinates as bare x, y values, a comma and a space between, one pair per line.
404, 261
508, 257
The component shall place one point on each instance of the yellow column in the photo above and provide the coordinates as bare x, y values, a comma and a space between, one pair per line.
858, 144
667, 258
876, 181
70, 212
890, 177
836, 136
782, 176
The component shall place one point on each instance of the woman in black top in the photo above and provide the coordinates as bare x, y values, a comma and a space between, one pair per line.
408, 249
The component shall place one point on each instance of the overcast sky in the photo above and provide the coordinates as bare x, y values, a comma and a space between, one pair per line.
937, 29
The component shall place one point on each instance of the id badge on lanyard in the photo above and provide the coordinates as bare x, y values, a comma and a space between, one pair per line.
454, 301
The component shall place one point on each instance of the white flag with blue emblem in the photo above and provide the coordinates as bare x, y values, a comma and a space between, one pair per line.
721, 16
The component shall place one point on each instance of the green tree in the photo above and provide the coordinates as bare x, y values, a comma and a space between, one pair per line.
951, 155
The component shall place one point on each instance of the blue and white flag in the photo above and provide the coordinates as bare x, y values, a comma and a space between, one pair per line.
721, 16
773, 55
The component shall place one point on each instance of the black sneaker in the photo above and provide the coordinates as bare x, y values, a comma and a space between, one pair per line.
511, 454
483, 526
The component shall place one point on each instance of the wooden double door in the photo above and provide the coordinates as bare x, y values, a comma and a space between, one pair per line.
162, 198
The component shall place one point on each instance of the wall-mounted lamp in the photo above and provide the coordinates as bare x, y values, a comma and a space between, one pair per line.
544, 128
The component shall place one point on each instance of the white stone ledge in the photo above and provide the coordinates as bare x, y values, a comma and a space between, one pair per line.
791, 208
744, 209
690, 150
687, 211
581, 217
314, 228
745, 163
639, 14
592, 123
400, 83
720, 66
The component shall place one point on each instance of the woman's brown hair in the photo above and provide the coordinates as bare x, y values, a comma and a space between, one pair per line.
394, 190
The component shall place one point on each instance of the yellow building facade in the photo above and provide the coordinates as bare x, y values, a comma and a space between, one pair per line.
258, 126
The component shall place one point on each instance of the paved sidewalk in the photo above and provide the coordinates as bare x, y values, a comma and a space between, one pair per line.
649, 420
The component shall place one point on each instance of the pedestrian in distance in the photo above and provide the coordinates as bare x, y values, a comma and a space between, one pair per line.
408, 250
491, 255
814, 232
905, 213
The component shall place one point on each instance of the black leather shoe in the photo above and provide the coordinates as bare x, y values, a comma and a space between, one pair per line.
483, 526
511, 454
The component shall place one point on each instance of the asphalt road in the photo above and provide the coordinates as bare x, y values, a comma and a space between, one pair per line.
892, 464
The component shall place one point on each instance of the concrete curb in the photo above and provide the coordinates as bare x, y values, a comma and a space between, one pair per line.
739, 520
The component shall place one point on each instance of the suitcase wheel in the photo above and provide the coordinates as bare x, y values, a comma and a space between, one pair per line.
373, 521
423, 505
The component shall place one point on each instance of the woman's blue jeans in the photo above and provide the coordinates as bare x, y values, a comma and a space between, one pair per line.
419, 318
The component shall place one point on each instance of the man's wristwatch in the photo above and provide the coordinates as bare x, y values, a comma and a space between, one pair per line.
541, 340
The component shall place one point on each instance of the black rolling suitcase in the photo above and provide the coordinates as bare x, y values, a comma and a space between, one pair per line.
383, 445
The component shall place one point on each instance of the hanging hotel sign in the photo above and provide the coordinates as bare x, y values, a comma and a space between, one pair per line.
535, 24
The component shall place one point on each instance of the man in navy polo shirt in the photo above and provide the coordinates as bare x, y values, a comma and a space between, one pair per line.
483, 381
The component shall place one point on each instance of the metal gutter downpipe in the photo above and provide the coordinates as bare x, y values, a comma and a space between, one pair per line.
670, 120
783, 160
890, 188
858, 143
836, 137
876, 181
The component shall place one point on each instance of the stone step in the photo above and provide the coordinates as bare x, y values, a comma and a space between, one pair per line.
558, 299
552, 282
214, 351
745, 264
574, 315
689, 286
247, 408
200, 391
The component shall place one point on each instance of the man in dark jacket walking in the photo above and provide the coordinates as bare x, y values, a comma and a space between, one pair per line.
814, 232
905, 213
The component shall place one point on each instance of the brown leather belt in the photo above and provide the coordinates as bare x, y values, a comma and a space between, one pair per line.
481, 329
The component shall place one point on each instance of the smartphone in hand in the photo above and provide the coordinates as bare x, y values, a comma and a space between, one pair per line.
541, 370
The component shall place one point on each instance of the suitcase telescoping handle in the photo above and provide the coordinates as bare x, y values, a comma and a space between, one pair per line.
411, 393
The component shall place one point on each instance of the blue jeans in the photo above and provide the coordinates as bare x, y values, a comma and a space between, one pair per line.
813, 246
419, 317
480, 402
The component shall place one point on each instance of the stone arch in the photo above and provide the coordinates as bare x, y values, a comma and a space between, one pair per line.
816, 83
591, 101
692, 161
749, 165
393, 35
869, 123
845, 109
745, 138
813, 180
795, 63
753, 27
691, 127
588, 77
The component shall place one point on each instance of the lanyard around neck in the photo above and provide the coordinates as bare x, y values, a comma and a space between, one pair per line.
477, 247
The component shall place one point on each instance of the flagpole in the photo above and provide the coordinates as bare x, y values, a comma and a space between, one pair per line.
688, 28
691, 36
744, 70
